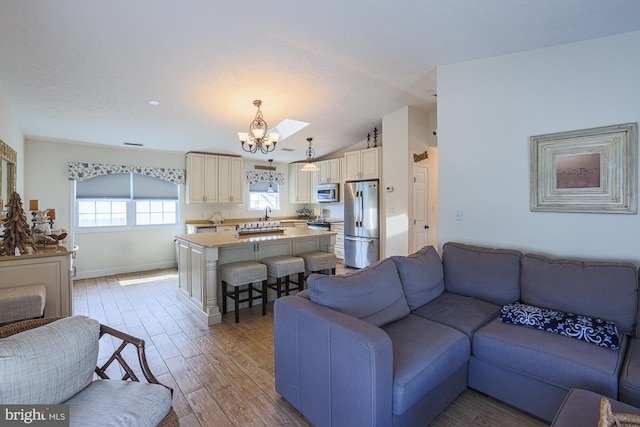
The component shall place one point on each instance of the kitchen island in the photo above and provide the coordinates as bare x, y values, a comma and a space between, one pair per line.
200, 255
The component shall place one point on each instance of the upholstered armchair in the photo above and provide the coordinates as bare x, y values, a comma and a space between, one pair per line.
54, 361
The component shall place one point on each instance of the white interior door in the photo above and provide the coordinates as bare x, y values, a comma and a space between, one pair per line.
420, 235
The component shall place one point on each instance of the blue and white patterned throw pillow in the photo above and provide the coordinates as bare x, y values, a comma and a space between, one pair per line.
595, 331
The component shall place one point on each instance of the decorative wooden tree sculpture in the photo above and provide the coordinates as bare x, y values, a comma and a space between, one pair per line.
16, 228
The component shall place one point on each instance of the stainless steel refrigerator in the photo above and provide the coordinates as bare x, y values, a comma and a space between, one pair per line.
361, 220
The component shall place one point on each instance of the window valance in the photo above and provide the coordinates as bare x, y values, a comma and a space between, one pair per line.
264, 176
82, 171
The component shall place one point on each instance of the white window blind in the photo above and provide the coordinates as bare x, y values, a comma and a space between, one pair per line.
147, 187
114, 186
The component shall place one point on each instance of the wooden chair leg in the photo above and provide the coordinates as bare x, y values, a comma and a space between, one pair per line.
278, 286
250, 294
237, 303
300, 281
286, 285
264, 297
224, 297
333, 271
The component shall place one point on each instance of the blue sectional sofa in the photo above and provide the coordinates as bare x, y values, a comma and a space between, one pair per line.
395, 343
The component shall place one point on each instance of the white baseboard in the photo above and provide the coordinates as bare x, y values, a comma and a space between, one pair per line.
113, 271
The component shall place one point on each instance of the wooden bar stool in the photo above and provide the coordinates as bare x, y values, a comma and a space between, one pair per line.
281, 267
238, 274
319, 262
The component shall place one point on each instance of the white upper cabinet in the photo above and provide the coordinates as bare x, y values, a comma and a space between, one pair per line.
301, 184
202, 178
230, 182
329, 172
214, 179
362, 164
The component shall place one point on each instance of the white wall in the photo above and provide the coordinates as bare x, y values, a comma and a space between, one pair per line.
103, 253
406, 132
396, 173
488, 109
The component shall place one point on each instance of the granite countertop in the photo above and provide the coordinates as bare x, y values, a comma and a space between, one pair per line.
229, 238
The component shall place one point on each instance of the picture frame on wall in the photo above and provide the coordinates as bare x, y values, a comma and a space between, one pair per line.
590, 170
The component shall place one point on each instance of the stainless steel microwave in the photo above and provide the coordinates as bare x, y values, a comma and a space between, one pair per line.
327, 193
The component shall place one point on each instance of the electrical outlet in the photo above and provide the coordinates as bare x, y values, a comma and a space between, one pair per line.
458, 215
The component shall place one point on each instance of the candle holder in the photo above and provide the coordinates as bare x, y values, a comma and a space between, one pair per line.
41, 226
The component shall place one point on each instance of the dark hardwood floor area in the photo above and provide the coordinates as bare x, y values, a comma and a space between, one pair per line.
223, 375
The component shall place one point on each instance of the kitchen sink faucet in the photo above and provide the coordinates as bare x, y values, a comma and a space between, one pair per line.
267, 211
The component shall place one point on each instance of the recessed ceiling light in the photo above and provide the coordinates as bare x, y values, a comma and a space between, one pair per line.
154, 102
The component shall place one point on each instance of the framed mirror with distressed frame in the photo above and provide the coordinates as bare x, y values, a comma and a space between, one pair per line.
8, 171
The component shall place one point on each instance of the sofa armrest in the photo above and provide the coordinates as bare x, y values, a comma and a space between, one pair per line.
118, 356
334, 368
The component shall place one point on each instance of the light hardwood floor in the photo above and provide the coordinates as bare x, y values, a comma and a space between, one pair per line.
223, 375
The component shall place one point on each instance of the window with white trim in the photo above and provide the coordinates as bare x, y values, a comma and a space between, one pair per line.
125, 200
263, 195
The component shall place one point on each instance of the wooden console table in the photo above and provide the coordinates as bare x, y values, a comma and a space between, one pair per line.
51, 267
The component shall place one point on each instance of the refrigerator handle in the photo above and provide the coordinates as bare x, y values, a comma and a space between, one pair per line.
361, 207
356, 209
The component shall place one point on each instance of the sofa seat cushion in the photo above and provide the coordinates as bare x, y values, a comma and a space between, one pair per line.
425, 354
373, 294
421, 276
604, 289
464, 313
50, 363
629, 388
490, 274
559, 360
119, 403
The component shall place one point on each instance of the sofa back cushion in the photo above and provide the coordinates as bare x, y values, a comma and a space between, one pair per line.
48, 364
421, 275
492, 275
608, 290
373, 294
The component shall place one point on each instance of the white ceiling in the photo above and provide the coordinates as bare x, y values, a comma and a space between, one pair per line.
83, 70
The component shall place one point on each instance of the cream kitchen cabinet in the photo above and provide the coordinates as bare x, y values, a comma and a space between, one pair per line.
214, 179
362, 164
329, 172
338, 249
302, 185
230, 182
202, 178
342, 179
